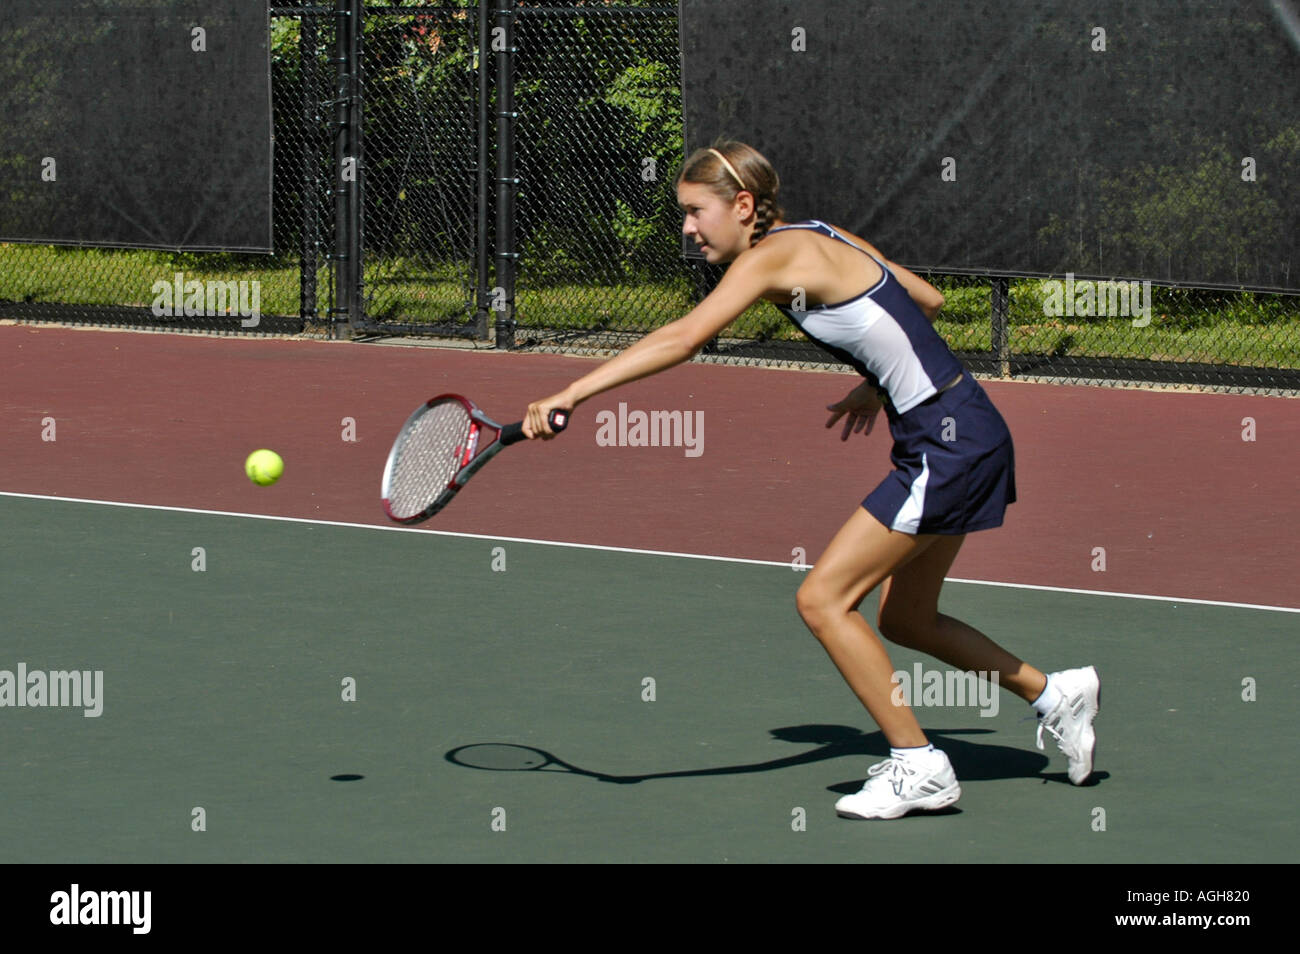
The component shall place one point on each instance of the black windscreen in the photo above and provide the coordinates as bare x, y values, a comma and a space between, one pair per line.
136, 123
1153, 139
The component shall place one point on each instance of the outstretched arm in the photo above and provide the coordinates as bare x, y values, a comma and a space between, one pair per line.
745, 281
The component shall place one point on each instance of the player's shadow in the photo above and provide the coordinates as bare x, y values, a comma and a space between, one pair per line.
971, 761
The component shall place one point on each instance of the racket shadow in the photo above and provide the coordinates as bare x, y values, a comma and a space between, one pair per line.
971, 761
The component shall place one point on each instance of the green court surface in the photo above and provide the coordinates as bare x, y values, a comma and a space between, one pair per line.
223, 690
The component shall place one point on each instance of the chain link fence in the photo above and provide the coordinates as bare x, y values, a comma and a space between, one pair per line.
420, 93
602, 262
1101, 332
593, 246
599, 139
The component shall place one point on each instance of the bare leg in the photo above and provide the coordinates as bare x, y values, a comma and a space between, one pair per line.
862, 555
909, 615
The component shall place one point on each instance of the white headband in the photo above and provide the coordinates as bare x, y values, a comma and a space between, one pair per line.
731, 169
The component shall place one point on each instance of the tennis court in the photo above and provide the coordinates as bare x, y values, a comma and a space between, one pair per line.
223, 690
224, 680
331, 213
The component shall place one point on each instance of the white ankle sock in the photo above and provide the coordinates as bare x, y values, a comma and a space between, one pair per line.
920, 754
1046, 702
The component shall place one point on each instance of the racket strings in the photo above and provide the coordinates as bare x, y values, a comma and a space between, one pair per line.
433, 451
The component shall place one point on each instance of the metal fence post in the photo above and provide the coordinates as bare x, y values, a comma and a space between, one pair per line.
347, 168
503, 41
309, 245
1001, 293
358, 204
483, 263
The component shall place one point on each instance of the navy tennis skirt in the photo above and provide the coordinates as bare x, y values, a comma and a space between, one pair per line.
954, 465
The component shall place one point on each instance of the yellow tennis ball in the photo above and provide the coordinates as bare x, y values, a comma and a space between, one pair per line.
264, 467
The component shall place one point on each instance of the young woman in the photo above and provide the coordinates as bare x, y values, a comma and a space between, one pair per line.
953, 457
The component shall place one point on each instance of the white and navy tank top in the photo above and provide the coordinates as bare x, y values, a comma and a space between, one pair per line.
881, 333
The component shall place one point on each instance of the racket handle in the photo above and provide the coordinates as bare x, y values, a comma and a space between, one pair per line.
514, 433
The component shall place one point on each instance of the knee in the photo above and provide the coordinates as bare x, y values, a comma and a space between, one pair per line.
815, 605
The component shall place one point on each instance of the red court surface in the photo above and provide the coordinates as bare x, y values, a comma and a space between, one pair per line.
1163, 482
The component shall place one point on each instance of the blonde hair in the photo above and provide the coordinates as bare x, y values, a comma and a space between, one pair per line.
729, 167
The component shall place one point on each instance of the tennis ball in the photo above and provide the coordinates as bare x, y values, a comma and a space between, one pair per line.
264, 467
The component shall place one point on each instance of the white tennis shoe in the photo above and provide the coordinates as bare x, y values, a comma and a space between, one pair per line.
1070, 723
895, 787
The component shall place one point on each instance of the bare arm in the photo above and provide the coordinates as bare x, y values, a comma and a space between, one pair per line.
928, 298
744, 282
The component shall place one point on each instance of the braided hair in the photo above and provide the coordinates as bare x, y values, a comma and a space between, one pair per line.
729, 167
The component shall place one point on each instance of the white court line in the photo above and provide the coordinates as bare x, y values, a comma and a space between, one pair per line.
596, 546
1127, 596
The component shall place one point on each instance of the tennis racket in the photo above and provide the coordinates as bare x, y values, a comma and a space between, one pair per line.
440, 447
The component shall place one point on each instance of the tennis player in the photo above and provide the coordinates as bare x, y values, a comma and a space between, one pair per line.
952, 454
